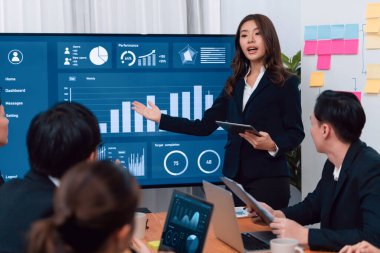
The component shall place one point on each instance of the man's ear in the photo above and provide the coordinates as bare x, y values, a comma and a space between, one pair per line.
93, 156
123, 232
326, 129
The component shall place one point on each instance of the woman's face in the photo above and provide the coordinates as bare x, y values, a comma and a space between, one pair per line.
252, 42
3, 127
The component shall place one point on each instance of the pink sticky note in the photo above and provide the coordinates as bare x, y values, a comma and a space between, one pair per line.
324, 47
324, 61
358, 94
337, 47
351, 46
310, 47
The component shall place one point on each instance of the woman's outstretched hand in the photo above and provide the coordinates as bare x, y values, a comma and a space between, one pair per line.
152, 113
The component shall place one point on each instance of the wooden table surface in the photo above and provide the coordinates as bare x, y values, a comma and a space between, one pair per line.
156, 223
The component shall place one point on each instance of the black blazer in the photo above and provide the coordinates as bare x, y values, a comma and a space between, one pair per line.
21, 203
348, 210
273, 109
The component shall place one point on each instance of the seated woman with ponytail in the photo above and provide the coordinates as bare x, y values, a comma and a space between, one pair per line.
93, 212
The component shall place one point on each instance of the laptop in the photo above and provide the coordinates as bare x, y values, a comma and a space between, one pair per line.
186, 224
225, 223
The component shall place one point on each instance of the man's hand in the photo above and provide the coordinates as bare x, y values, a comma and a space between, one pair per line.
286, 228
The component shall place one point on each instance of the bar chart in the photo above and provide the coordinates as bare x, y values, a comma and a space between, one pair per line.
112, 105
132, 156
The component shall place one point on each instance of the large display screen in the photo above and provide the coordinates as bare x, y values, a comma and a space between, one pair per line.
181, 74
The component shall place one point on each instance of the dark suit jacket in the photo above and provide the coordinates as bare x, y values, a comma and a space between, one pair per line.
273, 109
348, 210
21, 203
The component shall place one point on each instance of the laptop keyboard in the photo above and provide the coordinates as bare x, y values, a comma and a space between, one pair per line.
252, 243
264, 236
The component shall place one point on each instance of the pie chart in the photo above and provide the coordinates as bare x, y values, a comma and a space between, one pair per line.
98, 55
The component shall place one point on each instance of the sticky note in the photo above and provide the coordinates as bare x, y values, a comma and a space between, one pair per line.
317, 79
351, 46
351, 31
324, 47
372, 41
373, 10
373, 71
310, 47
324, 32
372, 86
337, 47
358, 94
372, 25
324, 61
311, 32
337, 32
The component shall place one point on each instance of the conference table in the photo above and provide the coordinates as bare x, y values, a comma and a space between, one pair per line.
156, 223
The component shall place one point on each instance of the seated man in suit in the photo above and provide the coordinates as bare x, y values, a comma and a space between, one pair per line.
346, 200
57, 139
3, 133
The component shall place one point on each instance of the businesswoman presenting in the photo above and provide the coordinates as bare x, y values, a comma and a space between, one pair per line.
260, 93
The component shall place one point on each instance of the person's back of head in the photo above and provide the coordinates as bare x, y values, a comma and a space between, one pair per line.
93, 206
343, 111
61, 137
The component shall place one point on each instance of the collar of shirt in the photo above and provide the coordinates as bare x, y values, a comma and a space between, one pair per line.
248, 89
336, 173
55, 180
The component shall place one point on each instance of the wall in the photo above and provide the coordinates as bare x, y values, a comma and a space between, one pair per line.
284, 14
340, 77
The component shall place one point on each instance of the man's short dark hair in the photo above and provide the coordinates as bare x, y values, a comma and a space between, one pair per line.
343, 111
61, 137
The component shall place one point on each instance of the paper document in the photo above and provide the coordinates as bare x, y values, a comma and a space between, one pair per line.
248, 199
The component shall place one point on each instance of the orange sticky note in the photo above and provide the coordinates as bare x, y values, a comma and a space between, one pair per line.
372, 25
372, 86
317, 79
373, 71
372, 41
373, 10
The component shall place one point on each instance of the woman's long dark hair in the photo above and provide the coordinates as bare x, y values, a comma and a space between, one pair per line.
93, 201
272, 58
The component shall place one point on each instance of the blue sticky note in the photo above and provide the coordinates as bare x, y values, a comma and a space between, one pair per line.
324, 32
351, 31
311, 32
337, 32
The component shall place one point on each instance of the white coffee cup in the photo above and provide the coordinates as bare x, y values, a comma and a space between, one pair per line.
284, 245
140, 225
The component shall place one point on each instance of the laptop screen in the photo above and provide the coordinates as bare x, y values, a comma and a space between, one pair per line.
186, 224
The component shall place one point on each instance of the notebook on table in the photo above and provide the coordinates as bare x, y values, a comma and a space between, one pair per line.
186, 224
225, 223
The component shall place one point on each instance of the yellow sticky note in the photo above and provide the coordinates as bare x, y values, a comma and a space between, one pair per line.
372, 25
373, 10
372, 86
317, 79
373, 71
154, 244
372, 41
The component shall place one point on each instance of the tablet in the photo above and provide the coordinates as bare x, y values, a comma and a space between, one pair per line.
248, 199
236, 128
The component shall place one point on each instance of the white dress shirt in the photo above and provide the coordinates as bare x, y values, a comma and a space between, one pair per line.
336, 173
